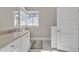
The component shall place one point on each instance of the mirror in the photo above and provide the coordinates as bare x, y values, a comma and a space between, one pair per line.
7, 18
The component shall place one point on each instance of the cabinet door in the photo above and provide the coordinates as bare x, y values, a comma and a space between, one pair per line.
25, 43
67, 29
17, 49
28, 41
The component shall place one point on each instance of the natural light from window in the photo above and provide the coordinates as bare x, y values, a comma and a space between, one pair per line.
28, 18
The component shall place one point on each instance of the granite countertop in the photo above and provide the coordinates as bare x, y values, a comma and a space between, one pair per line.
10, 37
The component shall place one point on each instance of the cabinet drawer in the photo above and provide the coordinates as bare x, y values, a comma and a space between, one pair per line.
10, 47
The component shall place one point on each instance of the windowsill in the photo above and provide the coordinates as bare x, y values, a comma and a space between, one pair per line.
32, 26
29, 26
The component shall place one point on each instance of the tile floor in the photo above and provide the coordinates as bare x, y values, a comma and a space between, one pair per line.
46, 47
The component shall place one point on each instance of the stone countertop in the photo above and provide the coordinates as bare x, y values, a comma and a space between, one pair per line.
10, 37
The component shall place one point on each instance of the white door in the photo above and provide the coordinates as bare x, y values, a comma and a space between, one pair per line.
67, 29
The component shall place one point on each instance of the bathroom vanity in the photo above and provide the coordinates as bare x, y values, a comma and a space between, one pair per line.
15, 42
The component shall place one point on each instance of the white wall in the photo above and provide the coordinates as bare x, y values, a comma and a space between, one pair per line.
47, 19
6, 17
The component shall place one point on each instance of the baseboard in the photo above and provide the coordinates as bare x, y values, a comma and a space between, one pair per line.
40, 38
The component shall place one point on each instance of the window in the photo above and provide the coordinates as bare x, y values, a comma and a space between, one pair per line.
28, 18
33, 18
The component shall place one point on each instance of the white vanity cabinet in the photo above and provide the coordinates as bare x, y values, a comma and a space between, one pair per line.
20, 44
